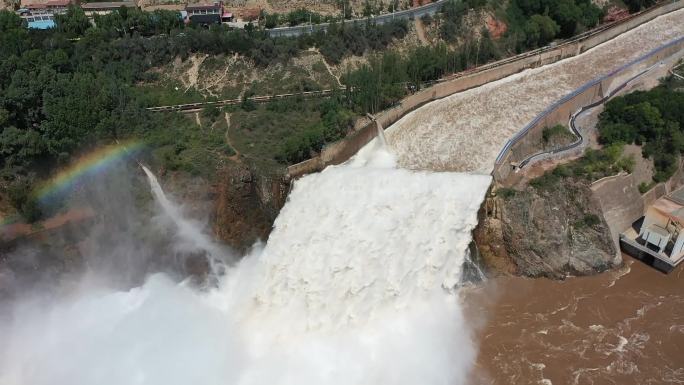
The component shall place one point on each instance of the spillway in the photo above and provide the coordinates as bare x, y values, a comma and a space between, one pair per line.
466, 131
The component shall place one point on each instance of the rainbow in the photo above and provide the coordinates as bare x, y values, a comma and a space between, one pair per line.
88, 164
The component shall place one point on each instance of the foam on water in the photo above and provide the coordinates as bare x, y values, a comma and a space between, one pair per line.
356, 285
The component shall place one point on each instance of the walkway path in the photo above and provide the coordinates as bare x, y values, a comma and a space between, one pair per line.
236, 156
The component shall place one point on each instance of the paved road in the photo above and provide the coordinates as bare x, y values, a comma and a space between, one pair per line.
429, 9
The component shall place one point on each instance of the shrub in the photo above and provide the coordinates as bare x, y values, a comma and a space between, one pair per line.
21, 197
546, 181
589, 220
644, 187
505, 192
557, 131
211, 112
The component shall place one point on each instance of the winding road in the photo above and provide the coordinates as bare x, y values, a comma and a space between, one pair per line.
417, 12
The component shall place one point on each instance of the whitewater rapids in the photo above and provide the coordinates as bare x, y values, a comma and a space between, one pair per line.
357, 284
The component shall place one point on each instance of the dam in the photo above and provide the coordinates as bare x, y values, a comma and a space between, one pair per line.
360, 281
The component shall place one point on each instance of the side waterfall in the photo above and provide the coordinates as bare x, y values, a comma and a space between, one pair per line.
188, 231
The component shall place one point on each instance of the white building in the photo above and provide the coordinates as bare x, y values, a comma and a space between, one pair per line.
661, 230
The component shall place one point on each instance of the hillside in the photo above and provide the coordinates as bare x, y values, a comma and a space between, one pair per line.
141, 59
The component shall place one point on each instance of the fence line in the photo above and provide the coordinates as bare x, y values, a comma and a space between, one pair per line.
523, 132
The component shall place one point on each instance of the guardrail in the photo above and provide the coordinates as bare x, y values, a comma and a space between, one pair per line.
524, 131
574, 116
256, 99
428, 9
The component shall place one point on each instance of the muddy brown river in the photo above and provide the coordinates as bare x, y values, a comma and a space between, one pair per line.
621, 327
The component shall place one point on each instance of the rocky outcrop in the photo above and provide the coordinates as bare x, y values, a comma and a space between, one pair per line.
553, 232
246, 205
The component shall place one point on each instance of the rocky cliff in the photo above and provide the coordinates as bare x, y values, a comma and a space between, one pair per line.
246, 205
553, 232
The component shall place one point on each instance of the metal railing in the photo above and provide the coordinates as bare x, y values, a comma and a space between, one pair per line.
574, 116
521, 134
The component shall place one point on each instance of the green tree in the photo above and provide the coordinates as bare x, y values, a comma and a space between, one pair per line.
638, 5
9, 21
73, 23
540, 30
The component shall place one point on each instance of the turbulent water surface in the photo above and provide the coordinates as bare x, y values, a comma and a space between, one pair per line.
466, 131
360, 280
357, 284
621, 327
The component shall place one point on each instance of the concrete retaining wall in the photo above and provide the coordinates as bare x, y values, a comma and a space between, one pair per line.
526, 142
342, 150
622, 203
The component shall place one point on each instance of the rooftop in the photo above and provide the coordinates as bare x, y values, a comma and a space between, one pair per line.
43, 24
107, 5
677, 196
58, 3
203, 6
45, 4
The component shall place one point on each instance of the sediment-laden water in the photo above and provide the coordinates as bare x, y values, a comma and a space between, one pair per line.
620, 327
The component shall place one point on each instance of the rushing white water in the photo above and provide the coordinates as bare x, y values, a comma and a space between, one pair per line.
356, 285
189, 232
466, 131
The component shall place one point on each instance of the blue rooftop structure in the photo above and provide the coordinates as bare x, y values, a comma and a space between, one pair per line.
42, 24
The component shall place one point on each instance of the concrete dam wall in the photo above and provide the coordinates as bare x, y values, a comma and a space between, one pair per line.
621, 213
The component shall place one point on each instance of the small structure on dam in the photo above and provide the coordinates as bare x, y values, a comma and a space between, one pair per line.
658, 237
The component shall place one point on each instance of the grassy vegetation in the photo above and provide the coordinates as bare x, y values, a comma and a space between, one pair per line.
260, 134
185, 146
291, 78
644, 186
589, 220
557, 135
505, 192
594, 165
168, 93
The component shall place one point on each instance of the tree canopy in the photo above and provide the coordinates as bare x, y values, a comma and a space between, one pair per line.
653, 119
